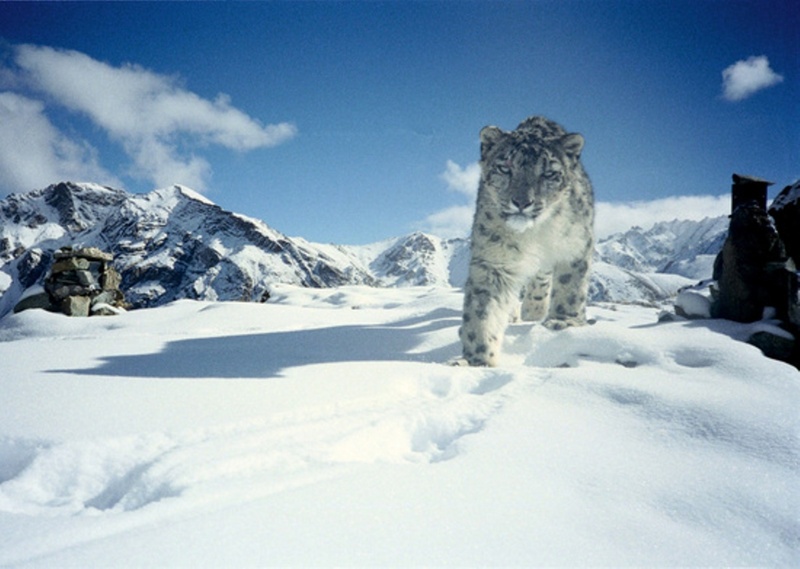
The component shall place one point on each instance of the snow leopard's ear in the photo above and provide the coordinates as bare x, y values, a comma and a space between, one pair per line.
489, 137
572, 145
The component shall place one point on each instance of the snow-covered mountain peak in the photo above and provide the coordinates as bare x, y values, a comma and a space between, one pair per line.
169, 243
417, 259
682, 247
174, 243
193, 195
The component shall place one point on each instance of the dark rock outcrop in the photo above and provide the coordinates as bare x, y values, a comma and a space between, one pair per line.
756, 271
82, 282
785, 210
748, 268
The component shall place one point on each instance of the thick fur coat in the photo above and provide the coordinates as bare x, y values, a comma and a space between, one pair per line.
532, 236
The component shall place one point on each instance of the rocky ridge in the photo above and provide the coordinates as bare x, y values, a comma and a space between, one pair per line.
167, 244
173, 243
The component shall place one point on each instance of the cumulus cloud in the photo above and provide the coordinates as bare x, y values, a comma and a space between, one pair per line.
463, 180
610, 218
613, 218
455, 221
158, 123
34, 153
747, 76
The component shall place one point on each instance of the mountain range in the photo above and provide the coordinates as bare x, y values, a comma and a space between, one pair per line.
173, 243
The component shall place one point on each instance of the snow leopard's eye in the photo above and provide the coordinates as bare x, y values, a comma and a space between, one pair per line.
552, 176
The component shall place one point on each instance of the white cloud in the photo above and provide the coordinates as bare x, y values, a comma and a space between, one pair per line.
610, 218
463, 180
34, 153
164, 167
746, 77
455, 221
613, 218
148, 113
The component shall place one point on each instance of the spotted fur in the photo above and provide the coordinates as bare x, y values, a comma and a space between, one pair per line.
532, 235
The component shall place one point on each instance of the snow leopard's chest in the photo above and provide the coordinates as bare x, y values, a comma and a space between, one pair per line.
559, 235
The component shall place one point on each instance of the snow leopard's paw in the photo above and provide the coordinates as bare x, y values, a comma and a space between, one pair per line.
558, 324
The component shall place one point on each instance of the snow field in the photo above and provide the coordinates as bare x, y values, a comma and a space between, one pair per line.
323, 429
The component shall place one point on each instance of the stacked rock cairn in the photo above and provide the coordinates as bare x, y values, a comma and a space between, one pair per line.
82, 282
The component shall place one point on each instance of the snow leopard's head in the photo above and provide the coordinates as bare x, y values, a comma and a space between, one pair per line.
527, 171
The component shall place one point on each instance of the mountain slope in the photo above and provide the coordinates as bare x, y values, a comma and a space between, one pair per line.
173, 243
418, 259
168, 244
680, 247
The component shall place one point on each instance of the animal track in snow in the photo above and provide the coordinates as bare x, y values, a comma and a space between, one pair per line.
492, 383
15, 456
700, 423
67, 478
424, 424
567, 348
694, 357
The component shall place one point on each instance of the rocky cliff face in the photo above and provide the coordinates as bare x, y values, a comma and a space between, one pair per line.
418, 259
167, 244
679, 247
785, 210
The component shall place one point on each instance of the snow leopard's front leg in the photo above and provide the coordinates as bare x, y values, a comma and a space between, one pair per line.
569, 293
536, 297
489, 295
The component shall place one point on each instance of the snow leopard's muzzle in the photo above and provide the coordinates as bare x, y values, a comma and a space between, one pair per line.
521, 212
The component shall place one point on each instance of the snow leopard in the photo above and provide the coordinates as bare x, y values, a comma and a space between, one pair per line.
532, 236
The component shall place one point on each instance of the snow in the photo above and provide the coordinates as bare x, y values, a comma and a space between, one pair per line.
694, 303
615, 284
325, 428
193, 195
792, 195
5, 282
681, 247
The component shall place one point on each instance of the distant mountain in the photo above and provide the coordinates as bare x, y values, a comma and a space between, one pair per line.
686, 248
642, 266
168, 244
418, 259
173, 243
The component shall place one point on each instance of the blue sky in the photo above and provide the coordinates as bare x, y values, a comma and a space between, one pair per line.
351, 122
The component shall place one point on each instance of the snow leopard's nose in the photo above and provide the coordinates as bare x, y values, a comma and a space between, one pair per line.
521, 203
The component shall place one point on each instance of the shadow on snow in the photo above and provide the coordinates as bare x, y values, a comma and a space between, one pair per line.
268, 354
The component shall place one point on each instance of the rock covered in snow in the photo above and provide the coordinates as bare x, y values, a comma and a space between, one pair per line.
694, 302
775, 343
748, 267
82, 282
785, 210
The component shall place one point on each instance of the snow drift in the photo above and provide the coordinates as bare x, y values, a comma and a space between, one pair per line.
323, 428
